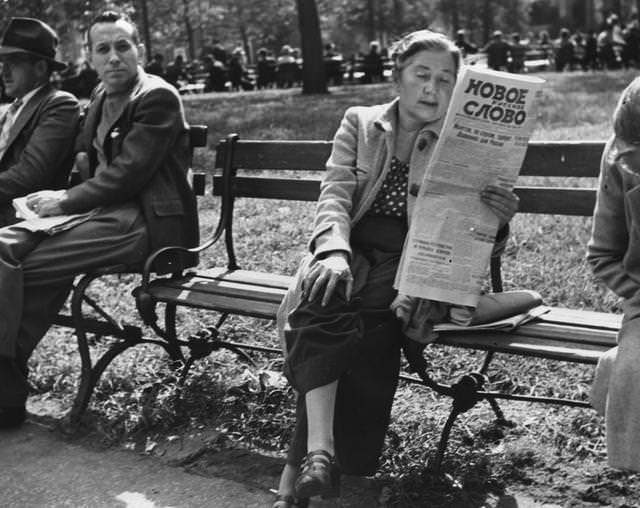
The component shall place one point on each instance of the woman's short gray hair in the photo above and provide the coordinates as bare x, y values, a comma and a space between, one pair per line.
422, 40
626, 116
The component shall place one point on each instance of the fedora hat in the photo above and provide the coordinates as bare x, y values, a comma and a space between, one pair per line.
32, 37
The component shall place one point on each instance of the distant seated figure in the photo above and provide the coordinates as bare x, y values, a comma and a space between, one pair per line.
518, 52
466, 48
85, 81
156, 65
372, 66
286, 67
176, 72
38, 129
333, 65
238, 75
497, 51
216, 74
564, 51
265, 69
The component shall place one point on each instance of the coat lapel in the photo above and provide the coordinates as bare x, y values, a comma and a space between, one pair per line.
25, 115
93, 115
96, 112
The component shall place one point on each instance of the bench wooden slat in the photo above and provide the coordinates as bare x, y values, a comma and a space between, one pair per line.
241, 305
556, 200
584, 318
246, 276
194, 287
562, 158
285, 155
546, 200
292, 189
568, 334
527, 346
543, 158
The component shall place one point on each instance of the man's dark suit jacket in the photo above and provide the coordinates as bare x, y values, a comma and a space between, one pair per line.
39, 149
148, 152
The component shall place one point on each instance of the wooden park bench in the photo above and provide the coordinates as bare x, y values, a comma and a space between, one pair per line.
564, 335
99, 322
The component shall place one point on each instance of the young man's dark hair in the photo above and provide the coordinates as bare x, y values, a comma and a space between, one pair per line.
112, 17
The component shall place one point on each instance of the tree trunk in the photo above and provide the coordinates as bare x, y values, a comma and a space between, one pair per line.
486, 21
189, 29
398, 15
313, 76
455, 18
371, 28
145, 28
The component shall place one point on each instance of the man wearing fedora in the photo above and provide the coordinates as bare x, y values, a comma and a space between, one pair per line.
37, 131
134, 154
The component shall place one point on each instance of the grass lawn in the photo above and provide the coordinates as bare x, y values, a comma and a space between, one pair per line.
554, 454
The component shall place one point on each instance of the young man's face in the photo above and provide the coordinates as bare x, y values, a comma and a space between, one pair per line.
114, 54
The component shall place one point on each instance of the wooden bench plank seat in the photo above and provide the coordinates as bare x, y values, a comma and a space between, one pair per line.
241, 292
560, 334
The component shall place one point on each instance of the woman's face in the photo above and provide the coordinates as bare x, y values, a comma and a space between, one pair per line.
425, 84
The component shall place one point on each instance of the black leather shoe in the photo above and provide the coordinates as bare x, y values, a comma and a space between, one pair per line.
319, 475
12, 417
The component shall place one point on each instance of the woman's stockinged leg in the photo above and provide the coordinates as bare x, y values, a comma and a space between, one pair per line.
321, 405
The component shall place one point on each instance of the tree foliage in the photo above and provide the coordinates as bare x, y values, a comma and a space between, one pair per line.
197, 25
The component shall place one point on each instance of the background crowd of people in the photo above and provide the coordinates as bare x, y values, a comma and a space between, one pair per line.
615, 45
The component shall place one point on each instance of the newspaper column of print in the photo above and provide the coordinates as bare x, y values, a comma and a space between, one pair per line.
483, 141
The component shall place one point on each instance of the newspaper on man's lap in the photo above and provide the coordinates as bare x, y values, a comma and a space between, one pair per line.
49, 225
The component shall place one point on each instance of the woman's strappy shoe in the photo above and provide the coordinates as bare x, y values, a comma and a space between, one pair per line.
283, 501
319, 476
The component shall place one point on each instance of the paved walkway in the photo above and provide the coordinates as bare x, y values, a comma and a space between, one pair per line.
41, 470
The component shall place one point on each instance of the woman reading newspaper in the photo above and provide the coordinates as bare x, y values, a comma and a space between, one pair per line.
342, 337
614, 255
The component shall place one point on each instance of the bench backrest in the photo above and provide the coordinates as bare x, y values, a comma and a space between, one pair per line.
550, 160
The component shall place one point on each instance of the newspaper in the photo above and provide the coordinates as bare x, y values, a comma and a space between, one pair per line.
483, 141
49, 225
505, 325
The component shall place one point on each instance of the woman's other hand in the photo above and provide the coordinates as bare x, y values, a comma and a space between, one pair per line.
503, 202
325, 274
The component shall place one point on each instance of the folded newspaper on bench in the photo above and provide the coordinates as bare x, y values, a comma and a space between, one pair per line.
506, 324
49, 225
483, 141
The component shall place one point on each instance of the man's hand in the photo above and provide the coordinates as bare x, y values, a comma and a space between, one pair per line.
47, 202
503, 202
325, 275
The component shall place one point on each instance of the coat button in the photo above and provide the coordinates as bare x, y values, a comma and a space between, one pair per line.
422, 144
